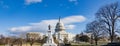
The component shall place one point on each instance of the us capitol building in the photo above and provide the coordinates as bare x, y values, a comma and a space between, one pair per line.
60, 34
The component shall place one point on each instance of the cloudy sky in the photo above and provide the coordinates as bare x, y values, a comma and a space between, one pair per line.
19, 16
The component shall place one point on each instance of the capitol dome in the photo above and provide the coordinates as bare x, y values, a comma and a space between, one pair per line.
60, 32
59, 26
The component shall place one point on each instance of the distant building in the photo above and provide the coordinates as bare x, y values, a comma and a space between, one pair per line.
88, 34
34, 35
60, 32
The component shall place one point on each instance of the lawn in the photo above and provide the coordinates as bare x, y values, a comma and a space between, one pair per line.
88, 44
26, 44
73, 44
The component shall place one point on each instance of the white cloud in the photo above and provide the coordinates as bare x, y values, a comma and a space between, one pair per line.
70, 26
22, 28
42, 25
74, 1
73, 19
27, 2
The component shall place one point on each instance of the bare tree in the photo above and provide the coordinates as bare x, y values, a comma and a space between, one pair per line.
2, 40
96, 28
31, 41
32, 38
109, 14
77, 37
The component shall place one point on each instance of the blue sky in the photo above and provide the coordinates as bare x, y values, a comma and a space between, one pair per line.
21, 13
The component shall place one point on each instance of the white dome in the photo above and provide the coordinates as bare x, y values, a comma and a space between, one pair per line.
59, 26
